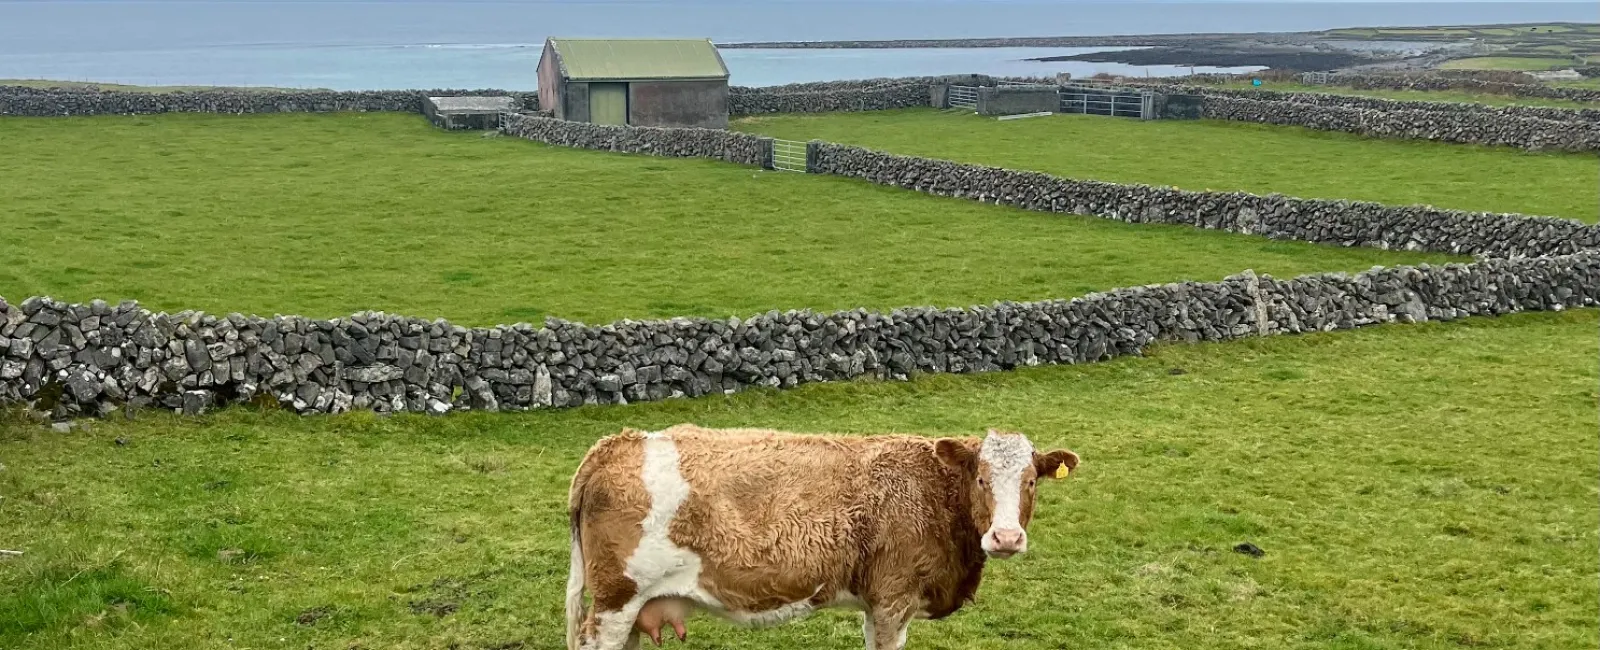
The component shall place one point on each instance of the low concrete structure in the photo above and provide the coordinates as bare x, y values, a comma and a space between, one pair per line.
1556, 75
1015, 100
1179, 107
467, 112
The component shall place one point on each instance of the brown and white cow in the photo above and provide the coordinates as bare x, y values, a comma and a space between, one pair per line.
761, 527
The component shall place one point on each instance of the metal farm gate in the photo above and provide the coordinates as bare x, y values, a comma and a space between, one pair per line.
1105, 100
963, 97
1316, 78
789, 156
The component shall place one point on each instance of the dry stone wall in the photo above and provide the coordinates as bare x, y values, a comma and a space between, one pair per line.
1495, 82
72, 359
1336, 222
1466, 127
830, 101
36, 102
1382, 104
1343, 223
730, 146
869, 94
1435, 81
842, 96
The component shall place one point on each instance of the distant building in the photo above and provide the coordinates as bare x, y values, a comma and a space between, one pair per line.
638, 82
1557, 75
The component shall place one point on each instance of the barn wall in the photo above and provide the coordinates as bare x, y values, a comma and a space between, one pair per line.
550, 81
678, 103
575, 101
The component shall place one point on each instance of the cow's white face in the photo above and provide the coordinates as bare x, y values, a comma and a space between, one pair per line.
1006, 472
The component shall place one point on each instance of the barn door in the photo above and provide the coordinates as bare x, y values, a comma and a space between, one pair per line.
608, 103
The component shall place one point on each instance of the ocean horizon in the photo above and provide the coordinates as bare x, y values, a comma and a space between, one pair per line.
369, 44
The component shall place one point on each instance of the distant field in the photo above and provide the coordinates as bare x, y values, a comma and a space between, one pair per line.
1507, 63
1216, 155
1416, 486
1418, 95
325, 215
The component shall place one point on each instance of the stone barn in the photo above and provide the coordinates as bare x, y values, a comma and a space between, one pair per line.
637, 82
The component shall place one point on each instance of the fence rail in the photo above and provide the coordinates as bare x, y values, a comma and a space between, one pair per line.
964, 97
1116, 102
789, 156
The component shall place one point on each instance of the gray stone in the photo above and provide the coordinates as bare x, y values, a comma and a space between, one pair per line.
196, 355
195, 402
83, 386
542, 395
373, 374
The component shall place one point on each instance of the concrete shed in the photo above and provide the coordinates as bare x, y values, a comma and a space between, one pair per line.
637, 82
467, 112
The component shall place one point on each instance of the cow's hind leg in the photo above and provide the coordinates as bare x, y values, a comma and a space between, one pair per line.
611, 630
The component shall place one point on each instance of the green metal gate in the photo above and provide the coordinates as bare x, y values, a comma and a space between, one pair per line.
789, 156
608, 103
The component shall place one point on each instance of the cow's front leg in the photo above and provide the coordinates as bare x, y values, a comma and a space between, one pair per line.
885, 629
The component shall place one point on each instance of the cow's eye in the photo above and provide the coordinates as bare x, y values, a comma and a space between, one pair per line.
1032, 482
980, 482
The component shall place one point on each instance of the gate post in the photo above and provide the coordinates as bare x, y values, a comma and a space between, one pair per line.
813, 156
766, 154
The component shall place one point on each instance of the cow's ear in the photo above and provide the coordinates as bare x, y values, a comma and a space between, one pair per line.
1056, 464
957, 454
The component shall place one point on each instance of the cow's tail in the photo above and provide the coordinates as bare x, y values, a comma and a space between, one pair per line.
575, 580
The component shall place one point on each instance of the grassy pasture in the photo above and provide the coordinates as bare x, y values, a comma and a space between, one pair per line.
1426, 486
325, 215
1217, 155
1530, 63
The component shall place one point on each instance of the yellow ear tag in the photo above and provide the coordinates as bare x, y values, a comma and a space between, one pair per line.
1061, 470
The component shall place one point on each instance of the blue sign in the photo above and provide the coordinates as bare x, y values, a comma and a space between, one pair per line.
1255, 82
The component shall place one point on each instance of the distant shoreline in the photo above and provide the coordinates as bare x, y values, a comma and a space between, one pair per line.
1552, 44
1136, 40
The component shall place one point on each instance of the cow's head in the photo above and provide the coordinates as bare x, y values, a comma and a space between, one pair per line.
1003, 472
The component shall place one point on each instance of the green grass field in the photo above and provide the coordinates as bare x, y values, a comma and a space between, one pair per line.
1419, 487
1216, 155
1507, 63
326, 215
1425, 487
1416, 95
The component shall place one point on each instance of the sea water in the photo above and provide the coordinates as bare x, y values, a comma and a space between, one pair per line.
361, 44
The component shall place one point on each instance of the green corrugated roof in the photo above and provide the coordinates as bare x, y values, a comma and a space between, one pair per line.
584, 59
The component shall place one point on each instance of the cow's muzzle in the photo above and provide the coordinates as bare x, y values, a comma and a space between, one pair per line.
1004, 543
